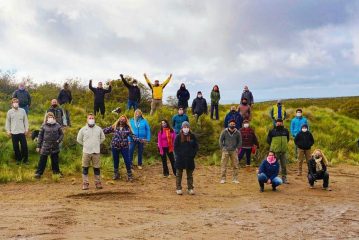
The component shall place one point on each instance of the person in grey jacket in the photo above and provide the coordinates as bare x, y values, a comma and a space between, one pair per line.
49, 140
23, 96
90, 137
229, 141
17, 127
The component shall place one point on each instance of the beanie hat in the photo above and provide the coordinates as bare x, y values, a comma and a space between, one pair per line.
185, 124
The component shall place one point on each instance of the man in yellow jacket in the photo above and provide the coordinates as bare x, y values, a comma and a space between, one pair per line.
157, 92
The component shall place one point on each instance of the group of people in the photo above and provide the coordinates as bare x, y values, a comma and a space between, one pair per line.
175, 140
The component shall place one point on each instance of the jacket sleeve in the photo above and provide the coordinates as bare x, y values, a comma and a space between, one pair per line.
205, 106
194, 106
261, 168
269, 137
310, 169
226, 119
80, 137
70, 97
221, 140
159, 142
177, 146
195, 145
148, 82
61, 135
108, 130
188, 95
125, 82
311, 139
148, 131
40, 138
178, 94
166, 82
219, 96
251, 97
91, 88
292, 127
108, 90
255, 140
8, 123
296, 139
275, 173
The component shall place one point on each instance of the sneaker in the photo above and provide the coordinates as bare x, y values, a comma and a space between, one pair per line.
116, 176
139, 167
235, 181
247, 165
191, 192
311, 186
85, 186
327, 189
222, 181
37, 176
166, 176
285, 180
129, 179
179, 192
98, 185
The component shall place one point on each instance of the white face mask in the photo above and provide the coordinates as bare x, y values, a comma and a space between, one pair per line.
305, 129
15, 105
299, 114
135, 84
185, 130
51, 120
91, 121
199, 96
180, 112
246, 125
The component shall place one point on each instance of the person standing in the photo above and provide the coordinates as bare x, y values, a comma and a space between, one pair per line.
304, 141
90, 137
24, 97
17, 127
233, 115
185, 148
199, 106
122, 131
134, 93
142, 131
268, 172
183, 96
157, 92
229, 142
64, 99
178, 119
166, 138
215, 97
245, 110
318, 169
278, 112
99, 97
278, 139
57, 111
248, 95
296, 125
50, 137
249, 141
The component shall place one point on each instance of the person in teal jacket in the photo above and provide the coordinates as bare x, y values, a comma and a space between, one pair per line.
141, 129
296, 126
178, 119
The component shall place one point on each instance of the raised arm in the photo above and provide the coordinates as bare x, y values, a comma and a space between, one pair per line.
167, 81
148, 80
90, 86
109, 88
124, 81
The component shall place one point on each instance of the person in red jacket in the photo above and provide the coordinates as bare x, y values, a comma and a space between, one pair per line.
249, 140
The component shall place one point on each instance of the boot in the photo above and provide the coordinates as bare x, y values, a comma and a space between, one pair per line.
116, 174
85, 182
261, 187
285, 180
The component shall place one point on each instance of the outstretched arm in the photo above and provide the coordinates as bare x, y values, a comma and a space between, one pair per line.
124, 81
90, 86
148, 80
167, 81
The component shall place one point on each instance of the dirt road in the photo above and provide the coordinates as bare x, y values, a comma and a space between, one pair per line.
149, 208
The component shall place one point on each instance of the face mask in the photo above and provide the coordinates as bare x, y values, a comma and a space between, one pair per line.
15, 105
185, 130
122, 122
135, 84
317, 156
91, 122
199, 96
271, 159
299, 114
22, 88
233, 111
51, 120
232, 127
244, 103
304, 129
246, 125
54, 105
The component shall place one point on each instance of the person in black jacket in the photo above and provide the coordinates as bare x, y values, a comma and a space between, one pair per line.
185, 149
304, 141
183, 96
57, 111
99, 93
199, 106
317, 169
65, 98
134, 93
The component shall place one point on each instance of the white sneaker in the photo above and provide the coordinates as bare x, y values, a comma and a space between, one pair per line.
235, 181
222, 181
191, 192
179, 192
139, 167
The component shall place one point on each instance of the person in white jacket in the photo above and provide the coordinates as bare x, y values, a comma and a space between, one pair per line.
90, 137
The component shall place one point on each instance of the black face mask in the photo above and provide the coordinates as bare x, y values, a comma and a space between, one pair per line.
54, 105
232, 127
244, 103
280, 127
233, 111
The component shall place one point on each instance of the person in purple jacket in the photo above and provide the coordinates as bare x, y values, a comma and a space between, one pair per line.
166, 139
268, 172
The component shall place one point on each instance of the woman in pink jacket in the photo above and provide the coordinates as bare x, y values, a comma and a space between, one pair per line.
166, 139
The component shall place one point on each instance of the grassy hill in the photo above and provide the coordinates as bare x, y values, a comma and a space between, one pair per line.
333, 122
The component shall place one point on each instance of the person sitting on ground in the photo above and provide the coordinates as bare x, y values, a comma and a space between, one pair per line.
317, 169
134, 93
157, 92
233, 115
268, 172
304, 141
249, 141
178, 119
166, 139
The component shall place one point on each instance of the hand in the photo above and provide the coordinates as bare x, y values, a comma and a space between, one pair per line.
121, 75
171, 75
9, 134
269, 181
90, 80
26, 132
145, 75
257, 171
37, 149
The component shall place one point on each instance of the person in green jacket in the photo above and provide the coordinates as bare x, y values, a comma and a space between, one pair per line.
215, 97
278, 139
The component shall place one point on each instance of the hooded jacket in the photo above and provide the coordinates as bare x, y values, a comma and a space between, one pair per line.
230, 141
134, 92
185, 152
183, 96
304, 140
278, 139
49, 138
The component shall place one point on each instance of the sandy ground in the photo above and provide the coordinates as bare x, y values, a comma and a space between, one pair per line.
148, 208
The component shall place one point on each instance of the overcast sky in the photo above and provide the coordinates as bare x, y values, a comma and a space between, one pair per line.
280, 49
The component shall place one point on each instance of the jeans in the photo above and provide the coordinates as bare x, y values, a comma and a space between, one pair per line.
66, 115
126, 157
179, 174
248, 152
214, 108
140, 152
132, 104
54, 164
283, 162
23, 154
262, 179
26, 108
99, 107
319, 175
164, 162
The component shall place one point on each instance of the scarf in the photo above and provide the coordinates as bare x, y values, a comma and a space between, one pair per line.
169, 139
318, 164
271, 160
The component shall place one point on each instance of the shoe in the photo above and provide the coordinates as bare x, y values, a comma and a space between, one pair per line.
129, 179
285, 180
327, 189
235, 181
222, 181
98, 185
274, 189
37, 176
261, 189
166, 176
139, 167
179, 192
248, 165
116, 175
311, 186
191, 192
85, 186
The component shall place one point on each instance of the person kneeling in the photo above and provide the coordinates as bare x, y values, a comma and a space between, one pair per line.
317, 169
268, 172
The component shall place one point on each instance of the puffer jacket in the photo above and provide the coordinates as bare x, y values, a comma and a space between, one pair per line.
59, 114
183, 96
141, 129
278, 139
50, 137
185, 152
177, 121
199, 106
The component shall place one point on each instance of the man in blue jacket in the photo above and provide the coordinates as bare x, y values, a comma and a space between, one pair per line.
233, 114
141, 129
296, 126
178, 119
24, 97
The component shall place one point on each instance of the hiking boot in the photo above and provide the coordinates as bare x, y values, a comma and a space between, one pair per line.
85, 186
261, 189
37, 176
222, 181
116, 175
139, 167
274, 189
327, 189
285, 180
235, 181
98, 185
179, 192
191, 192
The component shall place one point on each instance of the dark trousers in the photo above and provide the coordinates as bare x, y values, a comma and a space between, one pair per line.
179, 174
164, 162
126, 157
248, 152
54, 164
99, 107
319, 175
20, 139
140, 152
214, 108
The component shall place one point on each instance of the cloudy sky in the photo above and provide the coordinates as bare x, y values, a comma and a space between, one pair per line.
285, 49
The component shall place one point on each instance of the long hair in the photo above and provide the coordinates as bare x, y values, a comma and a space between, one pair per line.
117, 123
137, 111
215, 86
324, 158
185, 138
168, 125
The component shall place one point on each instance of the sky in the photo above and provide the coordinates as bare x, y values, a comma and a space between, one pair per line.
279, 48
